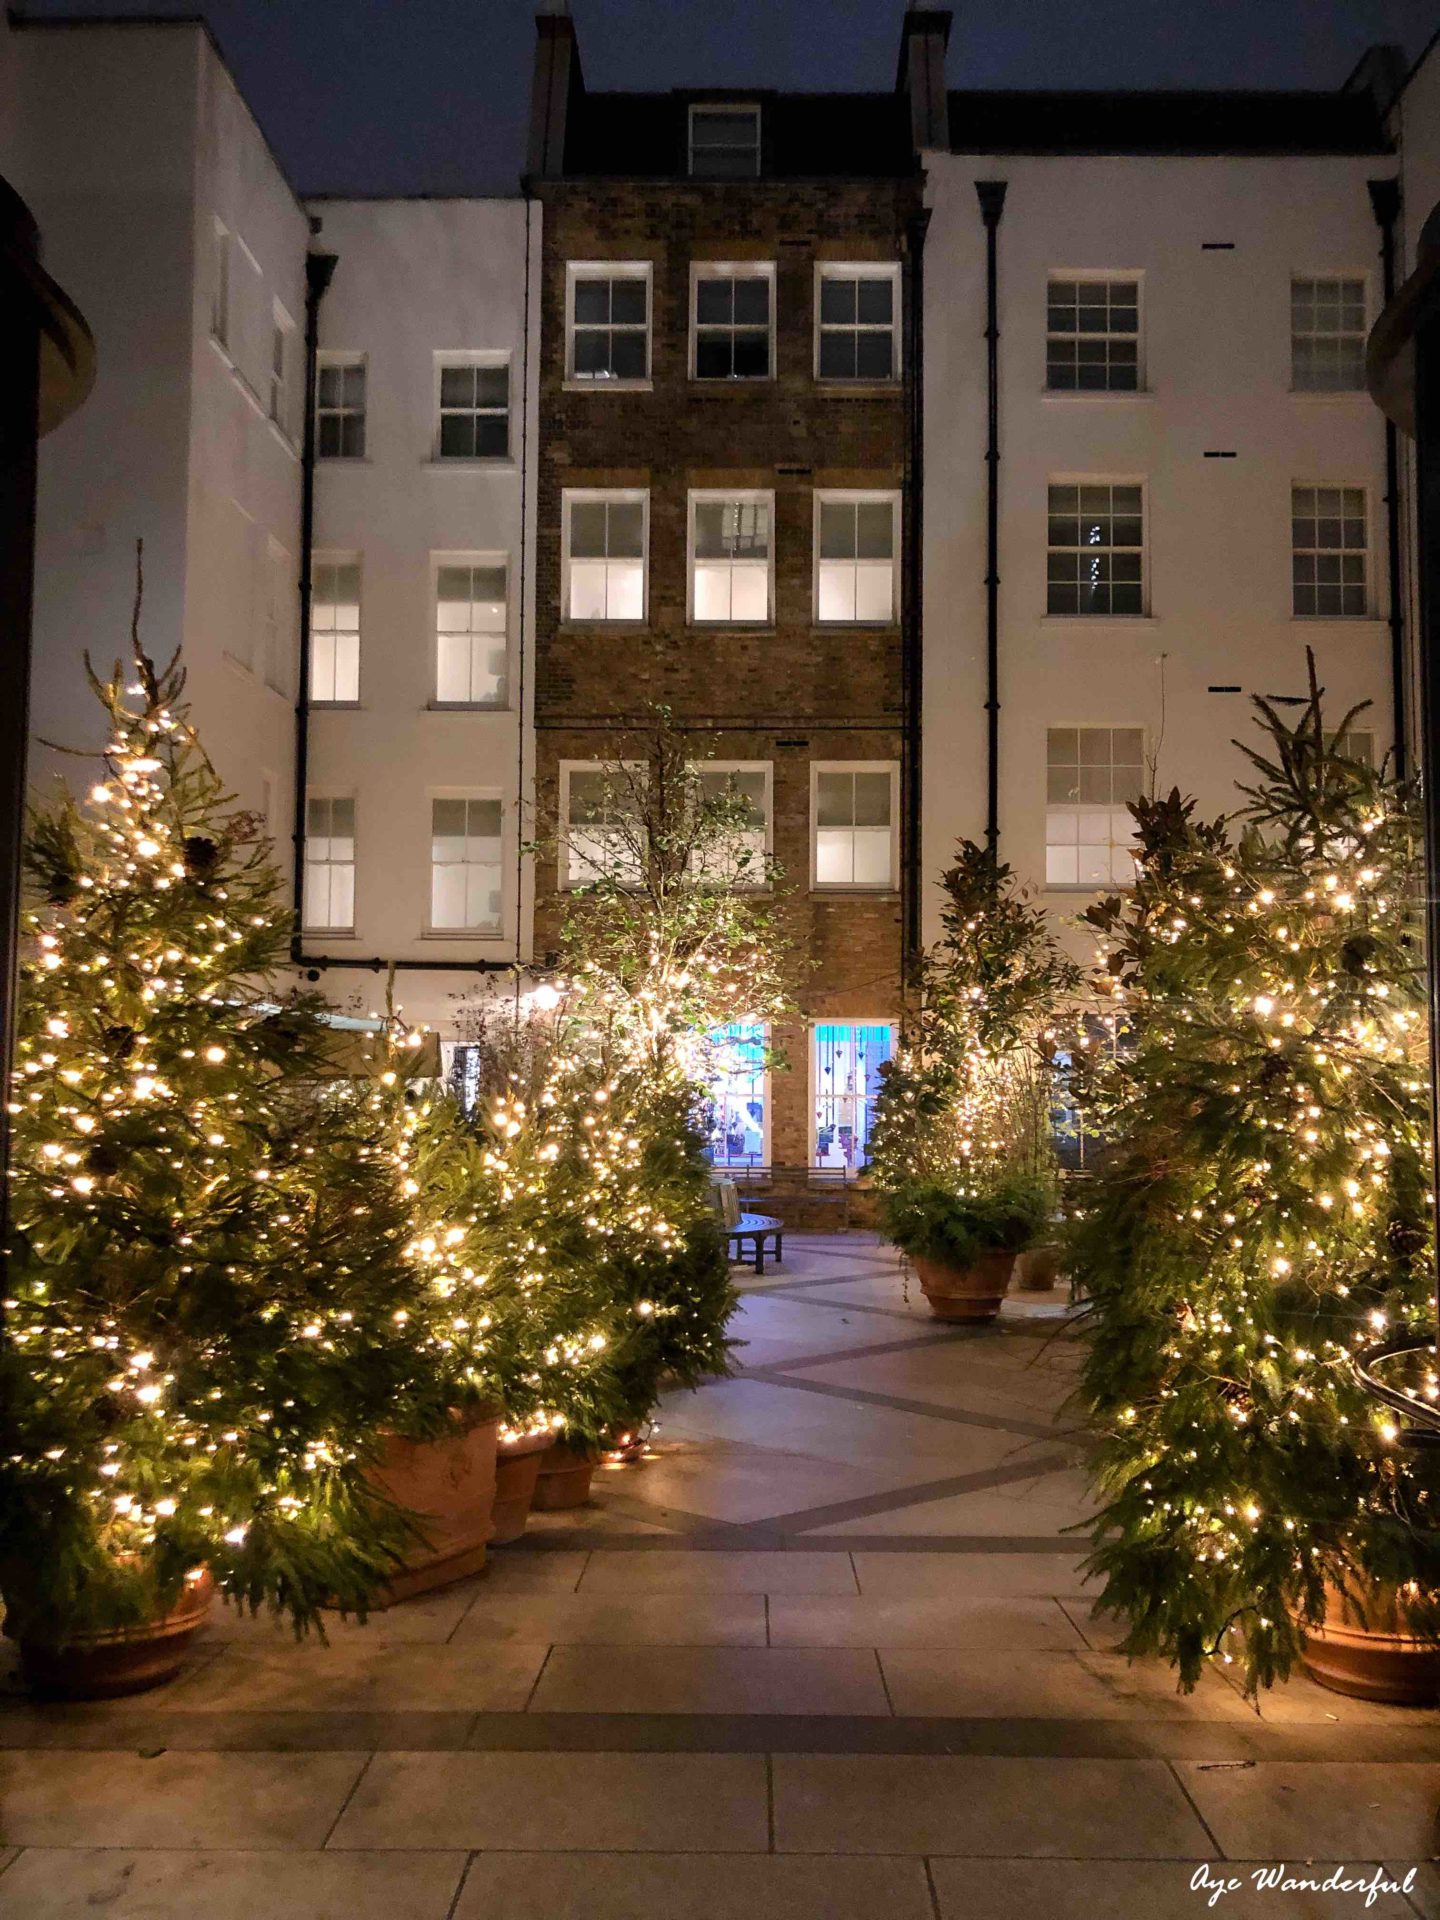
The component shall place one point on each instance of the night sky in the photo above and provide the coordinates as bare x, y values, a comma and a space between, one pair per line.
417, 96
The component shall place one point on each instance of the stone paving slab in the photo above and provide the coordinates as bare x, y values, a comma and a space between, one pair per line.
592, 1886
598, 1619
710, 1680
1275, 1811
1051, 1685
969, 1576
113, 1799
559, 1802
358, 1676
167, 1885
988, 1627
1078, 1809
740, 1572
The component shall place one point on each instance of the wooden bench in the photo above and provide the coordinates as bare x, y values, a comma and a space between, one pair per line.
757, 1231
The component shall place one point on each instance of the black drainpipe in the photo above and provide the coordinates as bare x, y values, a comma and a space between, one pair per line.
992, 205
319, 270
911, 653
1385, 199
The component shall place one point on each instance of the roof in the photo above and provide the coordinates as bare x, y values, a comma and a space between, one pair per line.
803, 135
1166, 123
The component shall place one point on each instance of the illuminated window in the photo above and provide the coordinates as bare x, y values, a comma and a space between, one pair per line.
1096, 544
730, 558
335, 633
600, 808
734, 316
1092, 336
856, 552
845, 1074
465, 865
854, 816
856, 331
725, 143
609, 321
470, 634
604, 555
737, 1113
1327, 335
340, 407
474, 407
330, 864
1091, 775
1329, 546
1357, 744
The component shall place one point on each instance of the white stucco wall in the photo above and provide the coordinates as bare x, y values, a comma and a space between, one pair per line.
1218, 562
416, 278
126, 141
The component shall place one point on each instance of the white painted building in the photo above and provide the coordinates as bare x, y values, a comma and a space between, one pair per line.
1191, 478
166, 218
421, 684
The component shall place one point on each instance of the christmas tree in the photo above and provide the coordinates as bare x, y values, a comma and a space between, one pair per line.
1262, 1211
211, 1310
961, 1151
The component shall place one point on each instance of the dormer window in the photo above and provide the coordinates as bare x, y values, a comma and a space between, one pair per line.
725, 143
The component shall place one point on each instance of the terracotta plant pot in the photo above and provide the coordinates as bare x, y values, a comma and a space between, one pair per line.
970, 1293
449, 1485
111, 1661
1037, 1269
517, 1468
1374, 1658
564, 1481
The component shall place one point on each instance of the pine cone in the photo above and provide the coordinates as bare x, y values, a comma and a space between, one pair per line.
202, 856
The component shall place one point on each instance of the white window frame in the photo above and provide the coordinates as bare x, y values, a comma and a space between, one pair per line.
812, 1072
1110, 806
736, 110
447, 361
759, 883
282, 379
567, 881
577, 270
1331, 273
872, 270
1336, 486
741, 496
1098, 276
320, 926
1101, 480
328, 558
490, 931
890, 767
701, 270
469, 559
343, 361
569, 497
856, 496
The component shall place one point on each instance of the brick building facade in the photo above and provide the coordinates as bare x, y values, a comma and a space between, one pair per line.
734, 264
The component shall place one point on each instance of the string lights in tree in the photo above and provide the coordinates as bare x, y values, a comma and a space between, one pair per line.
1263, 1211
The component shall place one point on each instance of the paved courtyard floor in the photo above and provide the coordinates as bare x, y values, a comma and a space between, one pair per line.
825, 1656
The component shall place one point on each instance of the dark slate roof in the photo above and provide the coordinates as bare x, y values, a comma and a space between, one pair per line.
1165, 123
803, 135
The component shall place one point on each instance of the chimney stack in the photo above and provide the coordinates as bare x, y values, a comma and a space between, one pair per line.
923, 40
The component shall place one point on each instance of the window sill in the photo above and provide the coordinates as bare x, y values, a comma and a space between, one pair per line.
466, 706
327, 933
1336, 620
500, 462
343, 460
1346, 394
857, 389
603, 626
470, 934
336, 706
1099, 620
572, 385
1063, 396
854, 893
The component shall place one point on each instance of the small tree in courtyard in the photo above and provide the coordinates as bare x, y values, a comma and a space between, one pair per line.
1263, 1212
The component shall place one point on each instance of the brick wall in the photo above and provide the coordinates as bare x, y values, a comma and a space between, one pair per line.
793, 693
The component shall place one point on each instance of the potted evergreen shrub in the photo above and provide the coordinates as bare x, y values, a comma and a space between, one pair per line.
208, 1300
961, 1154
1261, 1215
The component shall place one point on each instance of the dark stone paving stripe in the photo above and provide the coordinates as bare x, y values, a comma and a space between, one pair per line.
718, 1537
999, 1423
831, 1358
757, 1289
1214, 1741
871, 1504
